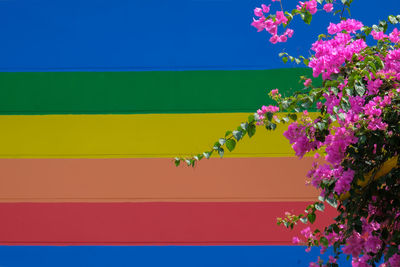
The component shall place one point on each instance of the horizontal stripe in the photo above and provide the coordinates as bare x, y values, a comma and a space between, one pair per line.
156, 256
149, 223
121, 180
130, 136
143, 92
127, 35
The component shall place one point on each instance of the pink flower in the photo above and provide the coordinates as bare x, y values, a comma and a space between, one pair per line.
266, 109
306, 232
395, 260
259, 24
258, 12
274, 39
280, 18
310, 6
373, 244
378, 35
265, 8
328, 7
343, 183
354, 245
307, 83
395, 36
295, 240
373, 86
289, 33
337, 143
282, 38
349, 25
275, 92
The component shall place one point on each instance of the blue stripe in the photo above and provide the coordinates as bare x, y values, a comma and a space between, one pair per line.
141, 35
157, 256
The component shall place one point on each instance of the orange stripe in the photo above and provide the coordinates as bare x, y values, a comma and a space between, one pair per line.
120, 180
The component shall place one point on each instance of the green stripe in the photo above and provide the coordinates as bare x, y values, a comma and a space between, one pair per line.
142, 92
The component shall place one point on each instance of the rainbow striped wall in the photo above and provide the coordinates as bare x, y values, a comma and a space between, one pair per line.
97, 96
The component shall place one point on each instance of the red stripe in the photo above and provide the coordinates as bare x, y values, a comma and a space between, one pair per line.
148, 223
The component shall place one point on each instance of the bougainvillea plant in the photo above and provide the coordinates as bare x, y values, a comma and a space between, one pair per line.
356, 130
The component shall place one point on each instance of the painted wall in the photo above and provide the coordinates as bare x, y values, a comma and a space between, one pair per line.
97, 96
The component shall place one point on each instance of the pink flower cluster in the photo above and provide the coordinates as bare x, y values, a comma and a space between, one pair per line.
307, 83
337, 143
331, 54
369, 241
378, 35
310, 6
328, 7
394, 36
373, 111
271, 25
265, 109
302, 143
348, 25
373, 86
343, 182
392, 62
395, 260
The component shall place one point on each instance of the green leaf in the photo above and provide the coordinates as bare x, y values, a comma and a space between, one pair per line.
221, 152
251, 130
230, 144
324, 241
383, 24
335, 90
367, 30
251, 118
177, 162
342, 116
216, 145
306, 17
237, 134
207, 155
360, 88
304, 220
293, 116
392, 19
311, 217
270, 115
332, 202
285, 60
228, 133
285, 104
320, 206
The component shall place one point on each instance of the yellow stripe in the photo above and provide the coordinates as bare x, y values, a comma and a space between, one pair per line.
130, 136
